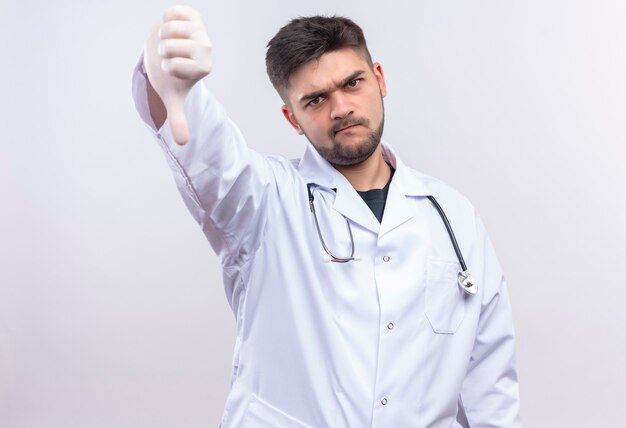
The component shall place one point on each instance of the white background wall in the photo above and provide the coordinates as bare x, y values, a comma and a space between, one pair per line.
112, 312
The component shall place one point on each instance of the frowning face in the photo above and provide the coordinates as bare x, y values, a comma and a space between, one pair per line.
337, 103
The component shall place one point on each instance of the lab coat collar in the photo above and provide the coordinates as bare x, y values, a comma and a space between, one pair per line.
315, 169
410, 183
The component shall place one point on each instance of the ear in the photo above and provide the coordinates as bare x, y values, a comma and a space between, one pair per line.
291, 118
380, 76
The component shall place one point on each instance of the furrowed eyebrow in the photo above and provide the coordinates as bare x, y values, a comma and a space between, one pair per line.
351, 77
311, 96
344, 82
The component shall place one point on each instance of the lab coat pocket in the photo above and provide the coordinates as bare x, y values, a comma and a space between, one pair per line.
444, 300
261, 414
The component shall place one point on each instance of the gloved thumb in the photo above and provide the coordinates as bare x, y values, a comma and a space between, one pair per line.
175, 106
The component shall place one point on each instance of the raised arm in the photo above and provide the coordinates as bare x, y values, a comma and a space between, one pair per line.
225, 185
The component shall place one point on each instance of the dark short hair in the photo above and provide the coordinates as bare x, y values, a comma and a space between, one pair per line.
308, 38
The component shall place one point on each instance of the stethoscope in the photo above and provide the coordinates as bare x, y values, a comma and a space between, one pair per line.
465, 280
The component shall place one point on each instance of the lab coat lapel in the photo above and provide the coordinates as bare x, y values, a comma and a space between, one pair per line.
350, 204
315, 169
398, 210
405, 185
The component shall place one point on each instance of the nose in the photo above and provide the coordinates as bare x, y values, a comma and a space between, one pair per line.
341, 106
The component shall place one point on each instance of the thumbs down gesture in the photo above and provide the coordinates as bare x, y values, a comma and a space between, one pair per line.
177, 54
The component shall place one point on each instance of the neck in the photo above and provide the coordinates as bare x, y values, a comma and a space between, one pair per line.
372, 173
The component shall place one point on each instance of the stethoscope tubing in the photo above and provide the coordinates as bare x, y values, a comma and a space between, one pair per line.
465, 279
455, 244
333, 257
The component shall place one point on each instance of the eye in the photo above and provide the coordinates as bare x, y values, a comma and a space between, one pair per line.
315, 101
353, 83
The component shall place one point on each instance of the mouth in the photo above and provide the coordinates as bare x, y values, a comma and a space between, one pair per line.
347, 128
347, 125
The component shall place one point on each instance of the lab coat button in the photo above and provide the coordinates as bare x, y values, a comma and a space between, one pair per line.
386, 258
390, 326
383, 401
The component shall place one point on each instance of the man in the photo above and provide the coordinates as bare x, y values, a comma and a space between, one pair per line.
338, 267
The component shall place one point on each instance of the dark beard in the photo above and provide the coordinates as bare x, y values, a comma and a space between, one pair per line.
341, 155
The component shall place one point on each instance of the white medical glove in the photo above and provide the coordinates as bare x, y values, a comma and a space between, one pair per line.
177, 54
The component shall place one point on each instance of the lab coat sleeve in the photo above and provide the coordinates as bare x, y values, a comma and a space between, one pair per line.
224, 184
490, 394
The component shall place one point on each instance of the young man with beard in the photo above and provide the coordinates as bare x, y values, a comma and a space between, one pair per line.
353, 307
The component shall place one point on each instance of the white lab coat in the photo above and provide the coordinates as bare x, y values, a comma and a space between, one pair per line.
387, 342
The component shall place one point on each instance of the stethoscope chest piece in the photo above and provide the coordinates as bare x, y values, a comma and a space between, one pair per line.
467, 282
